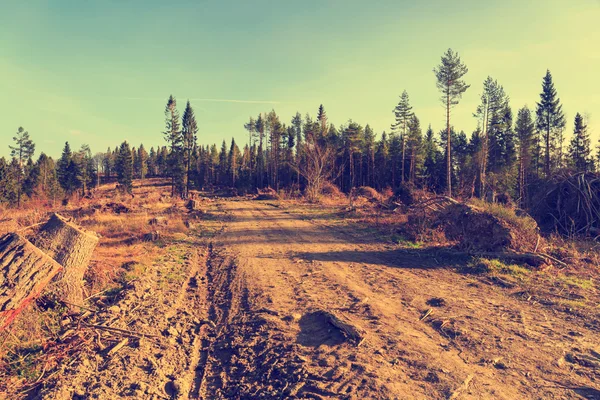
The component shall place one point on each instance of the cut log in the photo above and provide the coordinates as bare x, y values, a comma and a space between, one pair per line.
71, 247
24, 272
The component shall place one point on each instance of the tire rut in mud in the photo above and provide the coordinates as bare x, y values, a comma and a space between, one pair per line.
246, 354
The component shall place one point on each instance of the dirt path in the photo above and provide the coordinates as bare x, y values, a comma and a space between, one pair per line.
245, 317
288, 269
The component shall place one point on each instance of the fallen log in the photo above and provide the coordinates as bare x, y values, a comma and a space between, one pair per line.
71, 247
25, 271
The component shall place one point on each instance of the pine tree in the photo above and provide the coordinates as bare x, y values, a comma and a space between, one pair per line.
322, 118
369, 155
32, 179
381, 160
23, 151
10, 183
524, 128
403, 114
68, 171
46, 167
189, 133
489, 115
142, 161
415, 146
260, 156
124, 167
85, 167
152, 162
449, 76
175, 158
550, 120
222, 178
232, 162
432, 161
352, 136
580, 152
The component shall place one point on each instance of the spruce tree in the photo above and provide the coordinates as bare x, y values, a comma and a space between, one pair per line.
67, 170
175, 158
381, 160
524, 128
86, 169
124, 167
449, 76
222, 178
403, 114
580, 152
369, 155
550, 120
232, 163
142, 161
23, 151
189, 130
322, 118
415, 146
260, 156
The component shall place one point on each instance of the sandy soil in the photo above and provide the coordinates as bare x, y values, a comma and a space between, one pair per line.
246, 317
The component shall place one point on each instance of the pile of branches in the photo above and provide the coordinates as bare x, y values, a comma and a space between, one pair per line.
571, 205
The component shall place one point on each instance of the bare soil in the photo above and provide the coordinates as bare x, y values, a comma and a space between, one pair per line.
243, 315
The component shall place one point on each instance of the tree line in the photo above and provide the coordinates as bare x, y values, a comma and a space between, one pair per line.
506, 156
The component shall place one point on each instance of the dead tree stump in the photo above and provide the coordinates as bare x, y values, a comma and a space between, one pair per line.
71, 247
24, 272
193, 205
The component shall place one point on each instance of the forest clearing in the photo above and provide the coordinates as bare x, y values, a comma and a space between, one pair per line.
309, 201
245, 298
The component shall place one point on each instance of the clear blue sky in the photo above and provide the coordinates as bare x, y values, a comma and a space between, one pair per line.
98, 72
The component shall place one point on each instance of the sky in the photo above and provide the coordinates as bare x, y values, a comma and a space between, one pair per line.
100, 72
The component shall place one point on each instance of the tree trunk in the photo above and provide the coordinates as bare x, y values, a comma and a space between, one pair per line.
71, 247
449, 156
24, 272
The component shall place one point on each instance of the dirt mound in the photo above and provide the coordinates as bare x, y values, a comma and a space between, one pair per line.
494, 228
267, 194
368, 193
329, 189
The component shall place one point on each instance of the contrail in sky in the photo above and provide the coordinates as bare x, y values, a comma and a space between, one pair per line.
213, 100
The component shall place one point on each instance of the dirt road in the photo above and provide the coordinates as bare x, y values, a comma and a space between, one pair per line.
250, 319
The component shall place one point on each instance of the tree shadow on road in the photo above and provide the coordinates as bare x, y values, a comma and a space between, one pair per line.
397, 258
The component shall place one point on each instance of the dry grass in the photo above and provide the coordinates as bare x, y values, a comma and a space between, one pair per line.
121, 257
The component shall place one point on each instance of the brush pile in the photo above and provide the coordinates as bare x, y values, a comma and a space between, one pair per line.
475, 228
571, 206
267, 194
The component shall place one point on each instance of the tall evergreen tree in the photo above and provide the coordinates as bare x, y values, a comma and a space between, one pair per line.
189, 133
232, 162
142, 161
580, 152
124, 167
403, 114
449, 76
175, 158
68, 171
524, 128
550, 120
415, 146
23, 151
